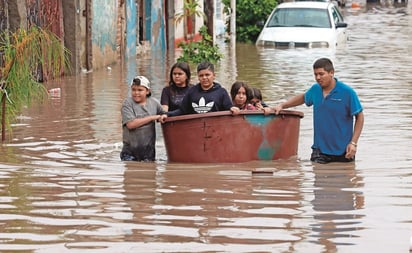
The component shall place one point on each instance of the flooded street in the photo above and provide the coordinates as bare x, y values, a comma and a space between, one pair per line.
63, 187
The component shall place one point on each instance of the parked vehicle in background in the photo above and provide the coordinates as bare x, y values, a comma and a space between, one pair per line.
341, 3
310, 24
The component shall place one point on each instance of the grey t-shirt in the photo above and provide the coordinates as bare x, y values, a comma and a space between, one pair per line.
140, 142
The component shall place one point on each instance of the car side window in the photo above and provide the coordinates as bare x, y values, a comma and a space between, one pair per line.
337, 17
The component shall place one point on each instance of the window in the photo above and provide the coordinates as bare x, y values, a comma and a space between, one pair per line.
337, 17
300, 17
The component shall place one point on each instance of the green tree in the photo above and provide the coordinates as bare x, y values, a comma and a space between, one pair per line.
250, 17
23, 53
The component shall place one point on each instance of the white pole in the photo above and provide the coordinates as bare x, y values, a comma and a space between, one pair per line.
233, 37
233, 21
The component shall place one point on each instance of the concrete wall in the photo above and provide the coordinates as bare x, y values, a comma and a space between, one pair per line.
71, 16
218, 21
158, 26
17, 14
99, 20
180, 29
131, 29
104, 30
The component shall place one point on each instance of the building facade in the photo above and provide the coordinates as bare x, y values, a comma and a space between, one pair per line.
99, 33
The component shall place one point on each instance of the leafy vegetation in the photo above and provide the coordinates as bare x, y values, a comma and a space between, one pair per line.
199, 51
195, 51
24, 52
250, 17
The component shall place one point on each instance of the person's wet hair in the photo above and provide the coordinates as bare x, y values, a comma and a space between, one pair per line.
205, 65
324, 63
184, 67
235, 88
255, 93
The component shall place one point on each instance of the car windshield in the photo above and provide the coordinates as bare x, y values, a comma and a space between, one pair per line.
300, 17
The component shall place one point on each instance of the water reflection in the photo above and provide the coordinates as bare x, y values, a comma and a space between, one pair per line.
41, 206
177, 206
216, 204
337, 200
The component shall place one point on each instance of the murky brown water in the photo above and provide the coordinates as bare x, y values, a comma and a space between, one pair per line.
64, 189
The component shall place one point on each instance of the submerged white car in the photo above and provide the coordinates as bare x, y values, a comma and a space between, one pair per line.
304, 24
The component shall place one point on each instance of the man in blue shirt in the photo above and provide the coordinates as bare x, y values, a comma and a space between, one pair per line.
335, 106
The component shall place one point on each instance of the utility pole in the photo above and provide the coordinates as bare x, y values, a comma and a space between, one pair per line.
233, 21
232, 50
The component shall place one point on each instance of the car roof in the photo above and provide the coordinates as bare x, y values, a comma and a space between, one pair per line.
305, 4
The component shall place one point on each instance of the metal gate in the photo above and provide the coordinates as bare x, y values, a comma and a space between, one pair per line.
46, 14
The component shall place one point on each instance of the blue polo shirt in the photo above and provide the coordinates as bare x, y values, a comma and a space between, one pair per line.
333, 117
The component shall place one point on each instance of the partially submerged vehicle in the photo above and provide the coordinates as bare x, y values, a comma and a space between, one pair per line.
308, 24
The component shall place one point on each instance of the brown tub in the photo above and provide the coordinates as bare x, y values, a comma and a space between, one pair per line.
220, 137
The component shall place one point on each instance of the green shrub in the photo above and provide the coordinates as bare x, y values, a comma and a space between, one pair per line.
250, 17
199, 51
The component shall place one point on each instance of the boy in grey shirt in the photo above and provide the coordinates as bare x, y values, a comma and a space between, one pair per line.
139, 113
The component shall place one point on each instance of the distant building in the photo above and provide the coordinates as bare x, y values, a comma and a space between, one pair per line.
102, 32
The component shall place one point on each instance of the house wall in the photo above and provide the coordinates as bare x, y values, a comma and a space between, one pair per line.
94, 37
180, 30
131, 29
179, 27
158, 26
199, 19
104, 30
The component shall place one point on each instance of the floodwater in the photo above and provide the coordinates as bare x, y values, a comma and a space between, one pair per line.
64, 189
